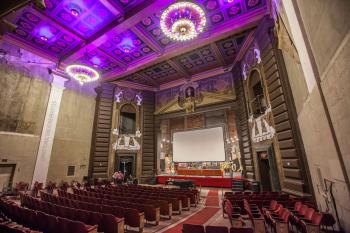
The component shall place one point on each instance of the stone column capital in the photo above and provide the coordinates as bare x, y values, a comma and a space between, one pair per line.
58, 81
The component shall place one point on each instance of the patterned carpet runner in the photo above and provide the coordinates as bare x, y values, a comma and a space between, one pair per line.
201, 216
212, 198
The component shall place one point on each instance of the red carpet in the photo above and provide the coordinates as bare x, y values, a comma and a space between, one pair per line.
199, 218
212, 198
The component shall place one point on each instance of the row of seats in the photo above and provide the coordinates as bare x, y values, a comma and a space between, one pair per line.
132, 217
188, 197
193, 228
105, 222
306, 219
179, 201
11, 227
151, 211
165, 204
192, 193
37, 220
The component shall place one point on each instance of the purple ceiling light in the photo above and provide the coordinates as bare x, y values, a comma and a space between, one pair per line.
82, 74
182, 21
127, 45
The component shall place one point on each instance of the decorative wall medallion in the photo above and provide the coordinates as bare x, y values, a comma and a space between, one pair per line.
261, 129
127, 141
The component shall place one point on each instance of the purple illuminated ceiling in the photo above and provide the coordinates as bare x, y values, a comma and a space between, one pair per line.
122, 38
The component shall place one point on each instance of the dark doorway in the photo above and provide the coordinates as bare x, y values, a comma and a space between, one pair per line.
6, 175
264, 168
269, 177
126, 164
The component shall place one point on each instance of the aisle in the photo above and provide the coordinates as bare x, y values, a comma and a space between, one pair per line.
211, 207
212, 198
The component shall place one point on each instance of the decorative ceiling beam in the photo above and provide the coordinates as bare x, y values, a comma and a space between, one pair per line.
246, 44
133, 85
115, 5
117, 26
228, 28
179, 68
20, 43
218, 54
196, 77
116, 11
142, 34
154, 83
119, 62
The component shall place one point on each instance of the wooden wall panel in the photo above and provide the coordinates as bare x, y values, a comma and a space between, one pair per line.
283, 110
98, 166
243, 130
148, 136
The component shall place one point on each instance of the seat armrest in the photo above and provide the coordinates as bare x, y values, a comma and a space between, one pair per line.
305, 220
90, 228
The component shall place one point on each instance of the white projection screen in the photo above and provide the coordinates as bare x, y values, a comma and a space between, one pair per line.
202, 145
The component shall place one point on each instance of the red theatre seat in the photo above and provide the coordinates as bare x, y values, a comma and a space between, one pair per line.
190, 228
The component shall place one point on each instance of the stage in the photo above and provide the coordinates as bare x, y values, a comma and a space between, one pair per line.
208, 181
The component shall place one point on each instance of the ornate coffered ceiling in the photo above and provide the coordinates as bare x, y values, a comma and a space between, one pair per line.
123, 41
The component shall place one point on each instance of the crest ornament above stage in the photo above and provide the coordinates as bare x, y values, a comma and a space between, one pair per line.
189, 96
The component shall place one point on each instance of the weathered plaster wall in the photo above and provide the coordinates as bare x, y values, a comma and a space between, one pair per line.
24, 93
72, 137
327, 30
23, 99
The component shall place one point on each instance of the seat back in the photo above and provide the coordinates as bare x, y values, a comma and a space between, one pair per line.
309, 213
216, 229
76, 227
317, 218
303, 209
191, 228
273, 204
241, 230
297, 205
109, 223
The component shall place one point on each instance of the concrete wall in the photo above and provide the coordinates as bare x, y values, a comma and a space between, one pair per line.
72, 137
23, 100
327, 30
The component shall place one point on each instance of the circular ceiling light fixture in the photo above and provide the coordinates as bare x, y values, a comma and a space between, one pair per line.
182, 21
82, 74
43, 38
74, 12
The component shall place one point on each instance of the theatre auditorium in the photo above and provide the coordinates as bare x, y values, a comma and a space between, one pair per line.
174, 116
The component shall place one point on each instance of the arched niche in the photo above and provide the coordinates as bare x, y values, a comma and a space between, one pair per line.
128, 119
256, 95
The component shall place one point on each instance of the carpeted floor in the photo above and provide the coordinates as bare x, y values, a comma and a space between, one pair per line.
211, 207
200, 217
212, 198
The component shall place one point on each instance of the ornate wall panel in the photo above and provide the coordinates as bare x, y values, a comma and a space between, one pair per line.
148, 136
210, 91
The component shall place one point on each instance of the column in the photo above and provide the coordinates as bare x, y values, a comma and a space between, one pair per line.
48, 131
